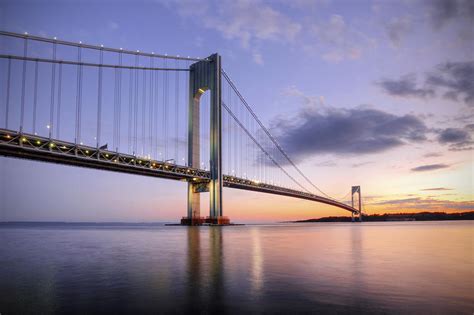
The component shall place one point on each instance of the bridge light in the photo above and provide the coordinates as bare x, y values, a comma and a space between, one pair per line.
26, 33
51, 145
8, 136
139, 162
87, 151
38, 142
55, 38
48, 126
23, 139
106, 155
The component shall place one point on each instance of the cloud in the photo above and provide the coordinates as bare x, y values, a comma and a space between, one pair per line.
308, 100
337, 40
429, 167
405, 86
243, 20
113, 26
453, 135
361, 164
398, 28
431, 204
432, 154
346, 131
444, 11
453, 80
257, 58
436, 189
456, 78
458, 139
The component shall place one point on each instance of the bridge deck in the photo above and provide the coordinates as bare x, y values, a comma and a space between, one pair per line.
33, 147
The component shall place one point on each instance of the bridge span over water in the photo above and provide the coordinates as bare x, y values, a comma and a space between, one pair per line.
148, 114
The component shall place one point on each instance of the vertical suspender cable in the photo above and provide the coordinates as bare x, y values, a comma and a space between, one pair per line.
7, 102
78, 96
165, 111
130, 112
114, 128
58, 118
157, 130
53, 84
176, 112
150, 110
35, 97
135, 110
99, 99
119, 100
23, 84
143, 114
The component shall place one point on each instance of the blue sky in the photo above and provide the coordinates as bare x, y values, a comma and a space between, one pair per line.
397, 74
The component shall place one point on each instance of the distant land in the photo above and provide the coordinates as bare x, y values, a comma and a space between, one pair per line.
420, 216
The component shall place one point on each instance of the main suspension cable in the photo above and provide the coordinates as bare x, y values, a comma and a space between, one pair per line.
269, 134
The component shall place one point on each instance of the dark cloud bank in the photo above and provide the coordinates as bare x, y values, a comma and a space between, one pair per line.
361, 131
429, 167
444, 11
347, 131
452, 80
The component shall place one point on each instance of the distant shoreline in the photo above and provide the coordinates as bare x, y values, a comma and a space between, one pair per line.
421, 216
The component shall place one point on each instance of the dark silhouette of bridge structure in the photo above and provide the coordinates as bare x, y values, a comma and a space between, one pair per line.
172, 117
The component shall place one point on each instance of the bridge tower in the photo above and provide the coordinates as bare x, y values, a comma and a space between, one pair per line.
205, 75
356, 190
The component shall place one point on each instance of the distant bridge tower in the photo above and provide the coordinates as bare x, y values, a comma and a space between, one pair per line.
356, 190
205, 75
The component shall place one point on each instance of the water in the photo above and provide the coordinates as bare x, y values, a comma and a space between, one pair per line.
389, 267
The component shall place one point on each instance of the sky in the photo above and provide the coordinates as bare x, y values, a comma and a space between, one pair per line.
372, 93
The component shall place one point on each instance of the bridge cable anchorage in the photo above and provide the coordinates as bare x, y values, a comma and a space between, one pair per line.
261, 147
269, 134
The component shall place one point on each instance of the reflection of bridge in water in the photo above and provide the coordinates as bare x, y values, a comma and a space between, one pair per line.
145, 114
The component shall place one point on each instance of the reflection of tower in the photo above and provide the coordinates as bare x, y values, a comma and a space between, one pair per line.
205, 290
216, 271
194, 269
356, 190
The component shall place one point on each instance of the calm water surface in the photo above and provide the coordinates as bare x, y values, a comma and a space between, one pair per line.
407, 267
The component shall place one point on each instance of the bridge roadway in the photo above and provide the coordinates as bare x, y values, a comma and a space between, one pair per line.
33, 147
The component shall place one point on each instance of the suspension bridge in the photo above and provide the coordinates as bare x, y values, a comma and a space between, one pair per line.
150, 114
